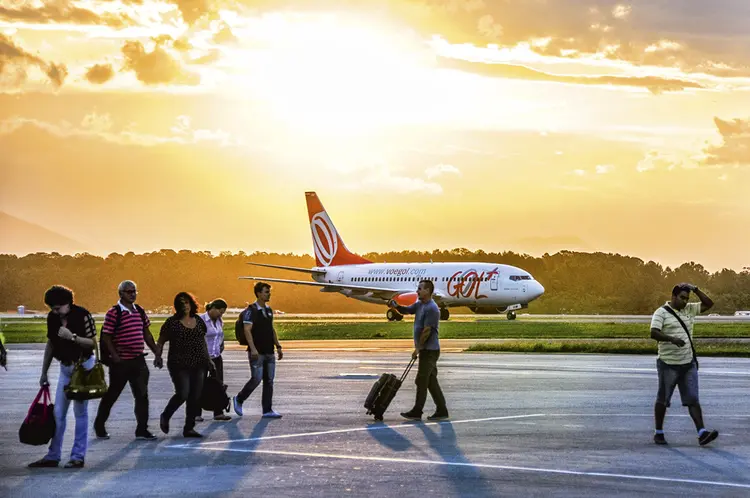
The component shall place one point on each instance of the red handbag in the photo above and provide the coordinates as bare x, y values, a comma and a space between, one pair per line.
39, 425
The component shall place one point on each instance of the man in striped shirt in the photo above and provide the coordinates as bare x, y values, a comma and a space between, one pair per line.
124, 333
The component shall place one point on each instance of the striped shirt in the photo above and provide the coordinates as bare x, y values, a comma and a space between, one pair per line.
128, 337
668, 325
214, 335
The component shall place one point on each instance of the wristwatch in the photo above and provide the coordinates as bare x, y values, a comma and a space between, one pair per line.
74, 338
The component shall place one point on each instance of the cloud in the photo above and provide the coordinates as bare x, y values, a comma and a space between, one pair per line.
735, 146
209, 58
182, 44
382, 178
193, 10
379, 176
621, 11
100, 73
602, 169
707, 36
654, 84
14, 61
224, 36
100, 127
156, 67
657, 160
440, 170
56, 73
63, 11
489, 28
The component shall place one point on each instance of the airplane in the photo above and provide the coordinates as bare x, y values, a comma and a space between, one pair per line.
483, 287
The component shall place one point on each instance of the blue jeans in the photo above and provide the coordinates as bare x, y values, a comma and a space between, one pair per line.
81, 411
264, 368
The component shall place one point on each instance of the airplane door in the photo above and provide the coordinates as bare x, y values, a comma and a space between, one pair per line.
340, 277
493, 282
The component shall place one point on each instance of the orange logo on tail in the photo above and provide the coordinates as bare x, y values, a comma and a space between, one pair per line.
325, 238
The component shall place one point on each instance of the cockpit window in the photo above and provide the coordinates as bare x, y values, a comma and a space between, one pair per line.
516, 278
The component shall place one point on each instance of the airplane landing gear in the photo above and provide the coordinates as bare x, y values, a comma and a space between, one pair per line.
511, 315
444, 313
393, 315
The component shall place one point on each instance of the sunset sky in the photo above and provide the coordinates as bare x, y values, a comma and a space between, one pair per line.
525, 125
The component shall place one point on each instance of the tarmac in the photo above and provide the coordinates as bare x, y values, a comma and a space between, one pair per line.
521, 425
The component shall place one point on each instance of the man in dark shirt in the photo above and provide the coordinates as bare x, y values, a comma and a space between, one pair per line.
427, 347
261, 339
71, 333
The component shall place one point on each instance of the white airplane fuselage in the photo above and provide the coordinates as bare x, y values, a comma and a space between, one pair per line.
482, 285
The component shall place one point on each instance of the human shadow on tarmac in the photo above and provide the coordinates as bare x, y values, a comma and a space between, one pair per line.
467, 480
697, 461
387, 437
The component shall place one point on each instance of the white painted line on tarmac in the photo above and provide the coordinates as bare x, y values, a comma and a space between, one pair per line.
553, 367
485, 466
650, 415
405, 425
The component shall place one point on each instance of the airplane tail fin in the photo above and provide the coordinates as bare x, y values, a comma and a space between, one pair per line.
329, 248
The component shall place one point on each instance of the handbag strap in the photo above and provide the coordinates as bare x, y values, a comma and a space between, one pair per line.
96, 348
43, 394
671, 312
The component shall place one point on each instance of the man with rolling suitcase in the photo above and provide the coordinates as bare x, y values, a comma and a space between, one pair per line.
427, 348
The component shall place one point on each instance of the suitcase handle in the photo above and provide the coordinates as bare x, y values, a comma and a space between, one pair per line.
408, 368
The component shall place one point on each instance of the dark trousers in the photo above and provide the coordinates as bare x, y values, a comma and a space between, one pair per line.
427, 381
262, 369
135, 372
219, 362
188, 386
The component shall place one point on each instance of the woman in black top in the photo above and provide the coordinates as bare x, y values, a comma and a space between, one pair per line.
71, 333
187, 362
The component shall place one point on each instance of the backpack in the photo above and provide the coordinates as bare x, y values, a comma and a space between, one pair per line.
239, 328
104, 351
214, 395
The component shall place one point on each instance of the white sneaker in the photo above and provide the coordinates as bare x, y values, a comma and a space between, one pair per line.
237, 406
272, 414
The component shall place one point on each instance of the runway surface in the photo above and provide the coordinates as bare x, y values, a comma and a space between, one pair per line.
521, 425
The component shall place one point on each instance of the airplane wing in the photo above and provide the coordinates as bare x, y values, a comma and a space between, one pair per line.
291, 268
386, 294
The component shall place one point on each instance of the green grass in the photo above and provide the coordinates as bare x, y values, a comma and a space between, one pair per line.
20, 331
607, 347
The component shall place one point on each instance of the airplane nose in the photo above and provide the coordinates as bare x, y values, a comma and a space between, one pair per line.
537, 289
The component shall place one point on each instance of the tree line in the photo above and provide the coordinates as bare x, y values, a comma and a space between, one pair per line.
575, 282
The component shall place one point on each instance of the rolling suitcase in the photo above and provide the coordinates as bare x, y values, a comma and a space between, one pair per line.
383, 392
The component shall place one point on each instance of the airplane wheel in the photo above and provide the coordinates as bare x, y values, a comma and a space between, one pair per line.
511, 315
444, 313
399, 318
391, 315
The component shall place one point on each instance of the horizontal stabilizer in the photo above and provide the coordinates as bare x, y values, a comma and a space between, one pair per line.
290, 268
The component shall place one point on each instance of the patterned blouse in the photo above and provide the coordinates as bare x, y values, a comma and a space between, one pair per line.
187, 347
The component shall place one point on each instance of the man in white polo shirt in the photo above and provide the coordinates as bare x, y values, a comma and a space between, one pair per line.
677, 365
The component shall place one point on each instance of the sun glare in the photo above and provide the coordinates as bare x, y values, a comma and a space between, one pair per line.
330, 75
